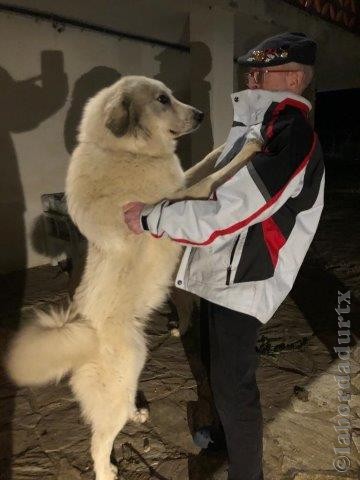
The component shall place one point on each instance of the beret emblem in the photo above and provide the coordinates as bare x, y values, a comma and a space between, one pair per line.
267, 55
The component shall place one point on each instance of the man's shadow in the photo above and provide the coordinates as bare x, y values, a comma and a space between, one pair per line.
315, 292
24, 104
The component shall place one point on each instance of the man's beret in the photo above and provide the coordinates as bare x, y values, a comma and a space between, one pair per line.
284, 48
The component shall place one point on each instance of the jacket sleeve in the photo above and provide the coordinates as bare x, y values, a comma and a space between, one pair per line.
251, 196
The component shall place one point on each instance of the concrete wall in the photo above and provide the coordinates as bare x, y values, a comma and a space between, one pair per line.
159, 19
46, 76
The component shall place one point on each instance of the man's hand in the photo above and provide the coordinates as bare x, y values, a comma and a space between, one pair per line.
132, 212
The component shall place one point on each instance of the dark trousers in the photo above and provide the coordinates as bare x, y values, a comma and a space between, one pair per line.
233, 361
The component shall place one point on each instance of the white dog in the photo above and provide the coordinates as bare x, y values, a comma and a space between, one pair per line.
126, 152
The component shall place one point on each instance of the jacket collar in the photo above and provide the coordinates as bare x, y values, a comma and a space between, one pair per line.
250, 105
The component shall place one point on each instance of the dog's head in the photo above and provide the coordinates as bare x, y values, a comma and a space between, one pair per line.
142, 112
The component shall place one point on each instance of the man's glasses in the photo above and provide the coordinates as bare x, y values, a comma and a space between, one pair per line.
257, 76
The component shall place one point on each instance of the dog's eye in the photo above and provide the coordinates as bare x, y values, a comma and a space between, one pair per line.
164, 99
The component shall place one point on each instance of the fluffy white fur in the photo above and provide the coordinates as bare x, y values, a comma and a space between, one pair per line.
125, 153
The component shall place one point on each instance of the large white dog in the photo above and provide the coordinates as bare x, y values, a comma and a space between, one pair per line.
126, 152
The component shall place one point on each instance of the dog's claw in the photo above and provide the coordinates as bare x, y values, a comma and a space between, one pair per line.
141, 415
175, 332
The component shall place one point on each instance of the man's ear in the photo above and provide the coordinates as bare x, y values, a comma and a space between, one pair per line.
296, 79
121, 117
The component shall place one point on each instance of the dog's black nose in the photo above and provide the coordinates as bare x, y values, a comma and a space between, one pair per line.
198, 115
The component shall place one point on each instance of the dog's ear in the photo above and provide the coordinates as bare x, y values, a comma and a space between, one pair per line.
122, 117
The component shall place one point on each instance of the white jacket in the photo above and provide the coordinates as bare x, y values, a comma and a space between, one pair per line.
245, 245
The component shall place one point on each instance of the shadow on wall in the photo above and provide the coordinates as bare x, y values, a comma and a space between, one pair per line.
85, 87
202, 140
193, 147
23, 106
170, 65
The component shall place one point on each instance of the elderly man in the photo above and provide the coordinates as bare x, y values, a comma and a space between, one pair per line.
245, 244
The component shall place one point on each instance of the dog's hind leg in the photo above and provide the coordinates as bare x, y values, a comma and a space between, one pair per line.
101, 445
104, 405
107, 398
140, 415
107, 419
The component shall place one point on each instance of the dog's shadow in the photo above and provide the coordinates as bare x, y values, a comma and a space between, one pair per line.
130, 450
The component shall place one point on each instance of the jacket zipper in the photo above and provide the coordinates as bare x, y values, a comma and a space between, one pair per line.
228, 270
188, 262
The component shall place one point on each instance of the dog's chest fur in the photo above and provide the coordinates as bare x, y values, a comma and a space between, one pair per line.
128, 177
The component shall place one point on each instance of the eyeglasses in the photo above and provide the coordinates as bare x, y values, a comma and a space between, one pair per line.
257, 76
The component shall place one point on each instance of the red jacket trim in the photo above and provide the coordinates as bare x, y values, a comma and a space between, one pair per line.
279, 107
236, 226
273, 237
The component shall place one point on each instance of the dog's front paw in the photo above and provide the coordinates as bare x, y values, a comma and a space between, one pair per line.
141, 415
175, 332
110, 473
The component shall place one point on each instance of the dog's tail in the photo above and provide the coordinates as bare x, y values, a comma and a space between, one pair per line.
49, 347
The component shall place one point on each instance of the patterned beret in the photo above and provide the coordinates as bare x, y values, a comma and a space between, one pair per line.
284, 48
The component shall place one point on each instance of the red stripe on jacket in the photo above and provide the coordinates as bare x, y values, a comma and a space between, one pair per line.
279, 107
273, 237
236, 226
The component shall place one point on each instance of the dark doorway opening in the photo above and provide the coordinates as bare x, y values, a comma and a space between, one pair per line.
338, 126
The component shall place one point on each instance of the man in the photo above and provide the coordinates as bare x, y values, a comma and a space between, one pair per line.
245, 244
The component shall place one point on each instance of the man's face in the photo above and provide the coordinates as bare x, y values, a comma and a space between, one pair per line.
274, 79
